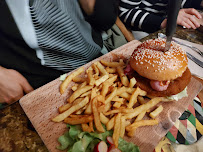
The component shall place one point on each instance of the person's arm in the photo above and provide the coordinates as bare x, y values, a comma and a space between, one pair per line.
101, 14
13, 85
87, 6
137, 19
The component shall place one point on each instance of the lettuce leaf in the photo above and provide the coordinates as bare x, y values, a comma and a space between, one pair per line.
75, 140
65, 141
127, 146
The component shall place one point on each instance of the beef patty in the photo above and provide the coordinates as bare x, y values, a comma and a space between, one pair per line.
175, 86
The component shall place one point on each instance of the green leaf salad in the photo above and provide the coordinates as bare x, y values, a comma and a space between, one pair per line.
75, 140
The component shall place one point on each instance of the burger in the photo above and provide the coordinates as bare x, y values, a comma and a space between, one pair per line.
159, 73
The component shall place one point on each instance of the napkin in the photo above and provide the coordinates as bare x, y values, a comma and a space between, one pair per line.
194, 68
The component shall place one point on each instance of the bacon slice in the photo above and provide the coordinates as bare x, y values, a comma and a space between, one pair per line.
128, 70
159, 85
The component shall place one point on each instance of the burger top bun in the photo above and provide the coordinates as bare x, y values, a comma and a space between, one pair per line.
149, 60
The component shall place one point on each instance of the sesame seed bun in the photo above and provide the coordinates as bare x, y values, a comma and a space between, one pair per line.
149, 60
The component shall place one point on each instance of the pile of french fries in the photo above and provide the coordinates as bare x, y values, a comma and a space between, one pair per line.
105, 95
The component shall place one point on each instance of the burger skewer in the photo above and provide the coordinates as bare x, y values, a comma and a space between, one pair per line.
173, 9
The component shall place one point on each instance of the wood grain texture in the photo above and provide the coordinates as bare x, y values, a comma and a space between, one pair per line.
42, 105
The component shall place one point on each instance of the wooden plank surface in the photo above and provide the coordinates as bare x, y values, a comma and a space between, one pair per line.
42, 105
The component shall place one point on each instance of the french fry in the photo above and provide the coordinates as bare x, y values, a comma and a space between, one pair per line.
106, 85
127, 122
74, 116
156, 112
91, 126
90, 77
111, 70
78, 92
125, 95
140, 123
121, 61
140, 116
82, 84
101, 68
88, 110
71, 110
143, 107
112, 64
80, 111
111, 80
81, 119
132, 132
101, 79
85, 94
120, 110
150, 96
121, 90
106, 107
141, 100
96, 70
133, 98
117, 127
117, 104
89, 107
68, 105
93, 93
64, 107
123, 77
97, 121
75, 87
119, 84
110, 124
122, 127
130, 90
110, 96
69, 78
79, 79
132, 82
117, 99
86, 128
103, 118
112, 112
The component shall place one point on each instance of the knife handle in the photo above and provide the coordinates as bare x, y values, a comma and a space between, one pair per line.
173, 9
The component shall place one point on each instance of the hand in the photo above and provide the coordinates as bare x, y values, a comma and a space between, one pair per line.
12, 85
188, 18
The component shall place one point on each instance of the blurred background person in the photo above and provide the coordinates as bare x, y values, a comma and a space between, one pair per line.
42, 39
148, 16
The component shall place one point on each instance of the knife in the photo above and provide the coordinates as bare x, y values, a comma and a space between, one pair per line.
173, 9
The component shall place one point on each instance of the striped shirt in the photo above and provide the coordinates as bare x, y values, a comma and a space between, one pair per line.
57, 30
43, 39
147, 15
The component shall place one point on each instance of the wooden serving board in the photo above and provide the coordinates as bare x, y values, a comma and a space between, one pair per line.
42, 105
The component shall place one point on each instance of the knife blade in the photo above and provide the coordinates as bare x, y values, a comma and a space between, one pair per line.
172, 14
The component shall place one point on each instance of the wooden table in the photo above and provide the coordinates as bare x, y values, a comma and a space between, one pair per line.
16, 132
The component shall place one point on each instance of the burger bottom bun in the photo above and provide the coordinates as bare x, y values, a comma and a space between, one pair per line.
175, 86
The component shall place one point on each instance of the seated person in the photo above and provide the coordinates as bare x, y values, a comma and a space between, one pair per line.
42, 39
150, 15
